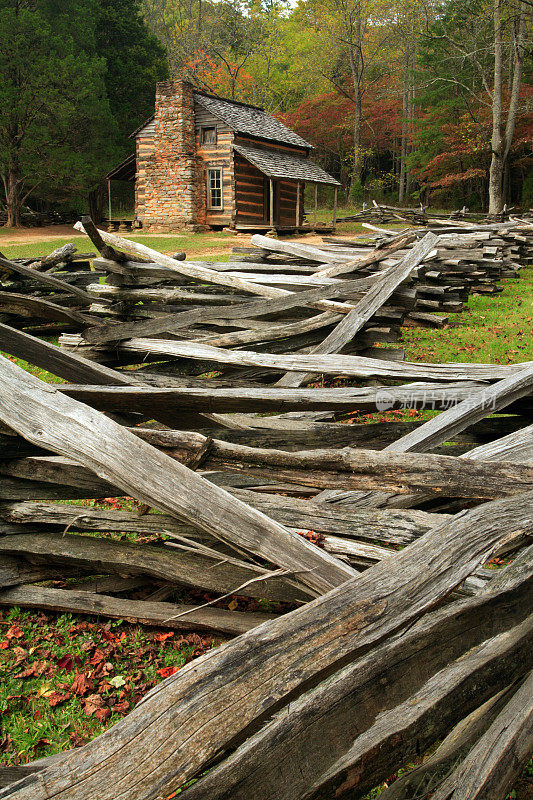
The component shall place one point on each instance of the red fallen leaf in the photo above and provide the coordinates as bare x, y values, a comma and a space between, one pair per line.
65, 662
57, 697
4, 645
38, 715
102, 714
97, 656
77, 740
108, 636
81, 684
122, 708
311, 536
161, 637
165, 672
14, 632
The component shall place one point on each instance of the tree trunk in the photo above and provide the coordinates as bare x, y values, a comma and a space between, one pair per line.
402, 188
410, 121
502, 137
496, 164
356, 69
13, 203
357, 156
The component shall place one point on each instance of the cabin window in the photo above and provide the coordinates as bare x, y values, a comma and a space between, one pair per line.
209, 135
214, 189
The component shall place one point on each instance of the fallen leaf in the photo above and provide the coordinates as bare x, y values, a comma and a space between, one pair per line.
97, 657
14, 632
36, 669
6, 744
65, 662
41, 743
117, 681
81, 684
166, 672
92, 704
20, 654
102, 714
161, 637
57, 697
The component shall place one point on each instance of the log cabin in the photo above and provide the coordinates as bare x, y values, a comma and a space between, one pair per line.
203, 161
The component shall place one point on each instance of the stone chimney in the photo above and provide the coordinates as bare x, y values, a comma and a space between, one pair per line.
168, 164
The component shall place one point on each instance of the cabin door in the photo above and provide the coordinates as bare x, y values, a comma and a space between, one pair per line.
270, 198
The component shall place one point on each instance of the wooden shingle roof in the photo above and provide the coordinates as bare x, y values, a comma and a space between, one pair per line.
276, 164
250, 120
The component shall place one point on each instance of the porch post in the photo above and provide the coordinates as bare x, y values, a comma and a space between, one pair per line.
316, 201
109, 198
271, 203
335, 207
298, 204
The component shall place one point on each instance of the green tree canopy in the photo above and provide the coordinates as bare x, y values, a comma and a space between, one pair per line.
135, 61
75, 79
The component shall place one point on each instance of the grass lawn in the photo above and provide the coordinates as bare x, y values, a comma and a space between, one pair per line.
65, 678
210, 245
493, 329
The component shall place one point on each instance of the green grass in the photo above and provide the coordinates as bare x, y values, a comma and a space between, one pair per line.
32, 249
189, 242
493, 329
65, 678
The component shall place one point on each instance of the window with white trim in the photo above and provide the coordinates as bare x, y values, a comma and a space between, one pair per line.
214, 189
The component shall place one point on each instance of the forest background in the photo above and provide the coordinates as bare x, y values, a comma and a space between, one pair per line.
408, 101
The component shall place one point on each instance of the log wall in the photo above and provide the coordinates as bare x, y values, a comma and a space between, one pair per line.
219, 155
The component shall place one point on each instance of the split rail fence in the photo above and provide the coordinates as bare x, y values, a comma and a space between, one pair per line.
196, 388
